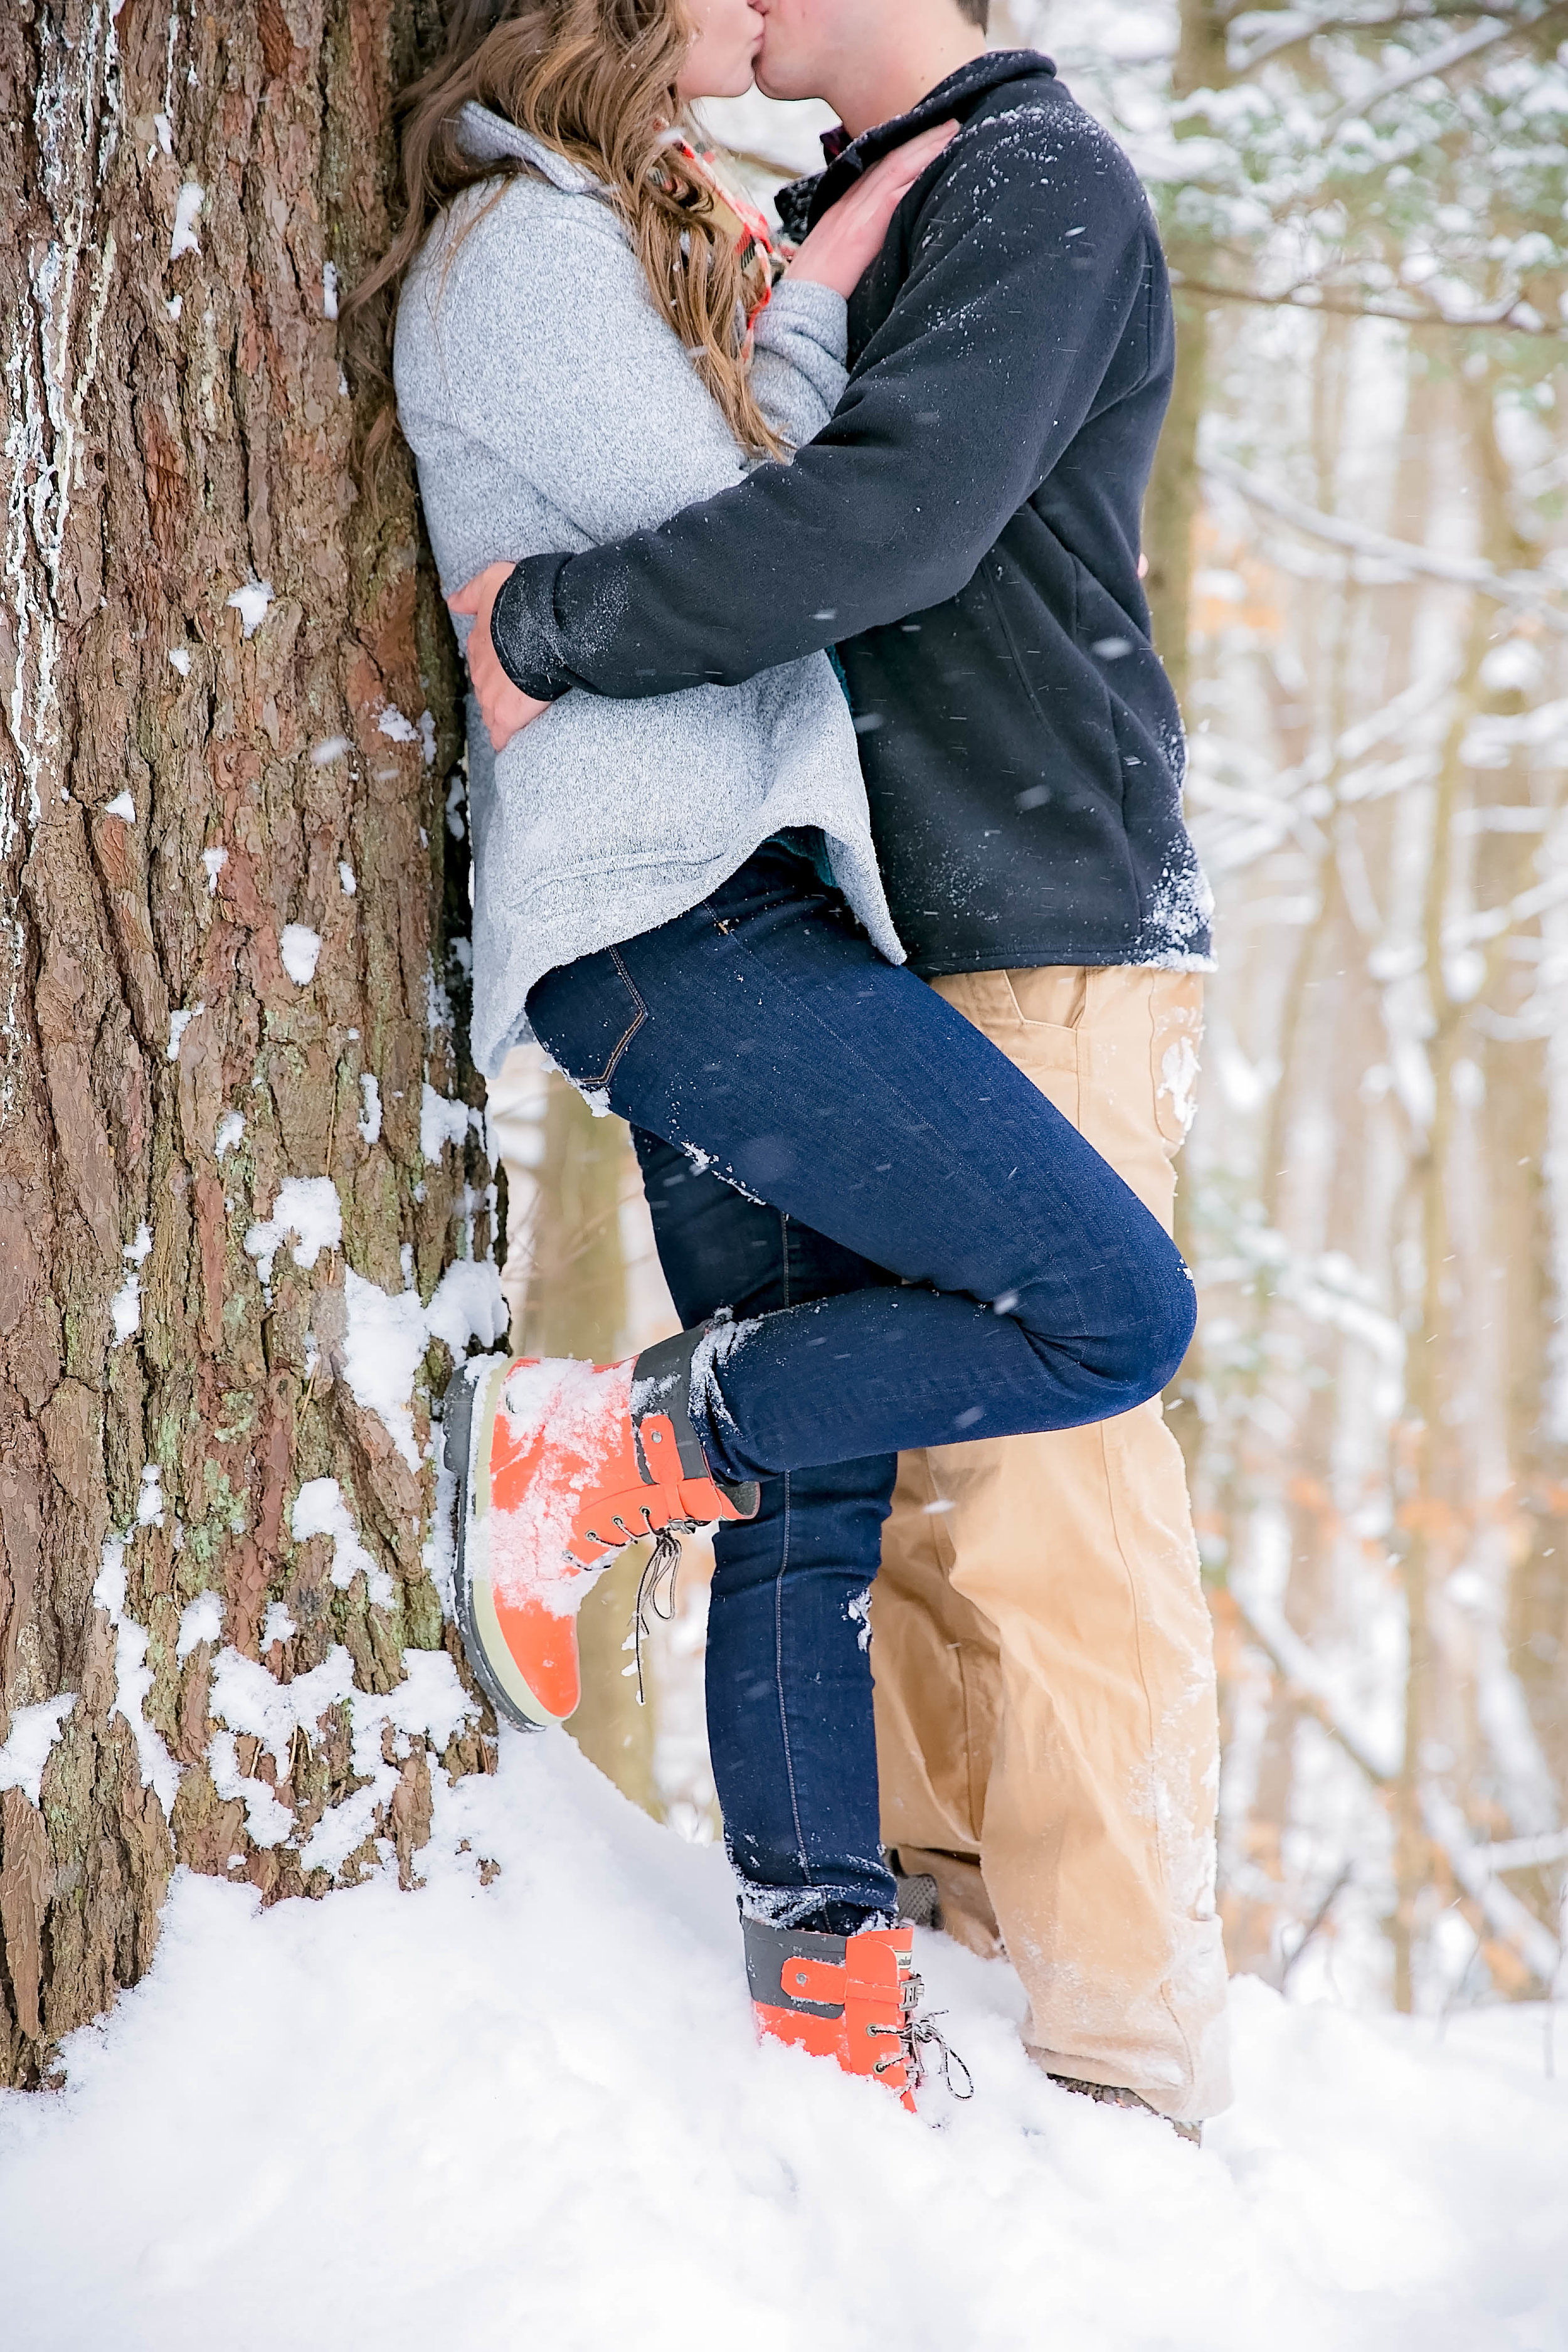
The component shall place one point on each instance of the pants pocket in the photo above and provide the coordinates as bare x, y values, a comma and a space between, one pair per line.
1176, 1032
585, 1014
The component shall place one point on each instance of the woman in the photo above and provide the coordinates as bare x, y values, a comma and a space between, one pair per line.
679, 899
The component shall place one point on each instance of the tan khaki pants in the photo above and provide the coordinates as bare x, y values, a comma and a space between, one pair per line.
1046, 1713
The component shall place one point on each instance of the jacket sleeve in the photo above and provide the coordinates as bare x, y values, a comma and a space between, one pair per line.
799, 365
1032, 252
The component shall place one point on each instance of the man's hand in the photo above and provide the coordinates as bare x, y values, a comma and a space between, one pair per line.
506, 710
847, 240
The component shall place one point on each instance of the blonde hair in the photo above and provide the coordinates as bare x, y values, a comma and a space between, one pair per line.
597, 80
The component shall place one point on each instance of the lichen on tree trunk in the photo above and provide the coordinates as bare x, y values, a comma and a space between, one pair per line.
228, 717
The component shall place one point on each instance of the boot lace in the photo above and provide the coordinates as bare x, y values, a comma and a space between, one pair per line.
917, 2034
656, 1591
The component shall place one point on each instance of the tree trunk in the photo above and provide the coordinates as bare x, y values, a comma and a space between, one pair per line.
231, 1070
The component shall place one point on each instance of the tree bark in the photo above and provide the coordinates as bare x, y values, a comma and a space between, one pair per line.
228, 725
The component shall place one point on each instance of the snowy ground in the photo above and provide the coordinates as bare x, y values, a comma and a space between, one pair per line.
532, 2114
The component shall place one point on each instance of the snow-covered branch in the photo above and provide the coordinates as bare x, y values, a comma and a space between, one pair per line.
1515, 588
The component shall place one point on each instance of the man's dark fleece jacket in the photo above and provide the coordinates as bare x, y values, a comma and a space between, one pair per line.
965, 530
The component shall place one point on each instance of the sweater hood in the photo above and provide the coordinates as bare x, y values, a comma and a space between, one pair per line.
804, 202
490, 139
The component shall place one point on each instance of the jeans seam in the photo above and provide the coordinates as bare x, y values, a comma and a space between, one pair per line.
801, 1855
608, 1072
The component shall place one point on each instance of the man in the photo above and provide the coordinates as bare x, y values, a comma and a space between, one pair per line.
966, 532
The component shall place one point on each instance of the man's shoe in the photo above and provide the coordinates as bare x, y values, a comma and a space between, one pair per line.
1111, 2094
854, 1998
559, 1464
920, 1897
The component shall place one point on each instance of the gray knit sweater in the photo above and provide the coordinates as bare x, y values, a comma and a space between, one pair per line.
550, 407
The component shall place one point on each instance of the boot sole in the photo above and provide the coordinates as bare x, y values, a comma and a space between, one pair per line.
466, 1418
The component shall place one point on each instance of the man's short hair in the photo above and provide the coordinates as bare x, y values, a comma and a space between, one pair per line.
978, 12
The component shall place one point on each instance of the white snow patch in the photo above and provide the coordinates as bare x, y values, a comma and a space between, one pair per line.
277, 1625
173, 305
309, 1208
392, 723
180, 659
187, 212
382, 1355
125, 1306
160, 122
441, 1121
250, 601
132, 1675
178, 1025
329, 749
369, 1121
1373, 2189
300, 948
329, 290
430, 1702
230, 1128
150, 1497
319, 1510
214, 860
468, 1304
859, 1607
266, 1819
125, 1310
346, 882
1178, 1080
121, 806
388, 1335
30, 1742
200, 1620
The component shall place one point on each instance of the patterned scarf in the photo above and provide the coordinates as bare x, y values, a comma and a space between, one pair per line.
761, 260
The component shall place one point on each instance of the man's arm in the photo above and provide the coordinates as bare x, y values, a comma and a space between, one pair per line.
1033, 249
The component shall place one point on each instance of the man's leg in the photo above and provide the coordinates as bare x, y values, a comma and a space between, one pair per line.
1046, 1724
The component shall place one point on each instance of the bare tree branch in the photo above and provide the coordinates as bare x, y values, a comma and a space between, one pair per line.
1309, 295
1472, 572
1294, 34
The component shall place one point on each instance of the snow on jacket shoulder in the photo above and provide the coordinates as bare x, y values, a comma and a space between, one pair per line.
549, 408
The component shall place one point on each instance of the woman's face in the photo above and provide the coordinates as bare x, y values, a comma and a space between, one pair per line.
726, 37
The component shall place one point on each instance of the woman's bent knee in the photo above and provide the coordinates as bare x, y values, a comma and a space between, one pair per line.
1145, 1346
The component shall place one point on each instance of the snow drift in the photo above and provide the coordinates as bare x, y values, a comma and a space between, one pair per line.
531, 2112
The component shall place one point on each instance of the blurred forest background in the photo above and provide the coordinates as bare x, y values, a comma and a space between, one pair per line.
1359, 570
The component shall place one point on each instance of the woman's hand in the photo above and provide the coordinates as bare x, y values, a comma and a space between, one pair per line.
843, 245
505, 708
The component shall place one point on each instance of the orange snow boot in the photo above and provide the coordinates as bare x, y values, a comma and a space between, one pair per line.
558, 1464
854, 1998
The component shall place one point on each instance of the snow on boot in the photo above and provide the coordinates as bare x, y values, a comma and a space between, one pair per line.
558, 1464
850, 1998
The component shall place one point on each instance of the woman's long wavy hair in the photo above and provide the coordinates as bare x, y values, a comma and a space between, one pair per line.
596, 79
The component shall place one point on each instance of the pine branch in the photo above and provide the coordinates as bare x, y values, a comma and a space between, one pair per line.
1435, 65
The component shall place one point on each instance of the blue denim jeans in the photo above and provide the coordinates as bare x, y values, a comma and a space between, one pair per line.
916, 1248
